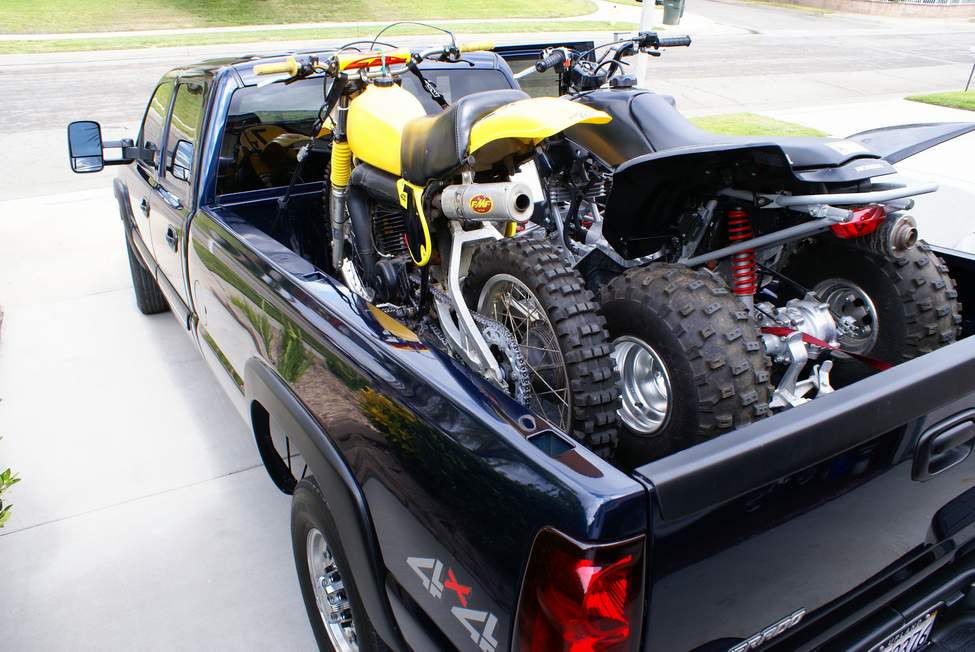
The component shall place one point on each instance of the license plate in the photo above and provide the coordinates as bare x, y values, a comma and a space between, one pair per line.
912, 637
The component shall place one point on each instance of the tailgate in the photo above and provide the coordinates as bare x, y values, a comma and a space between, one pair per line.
827, 510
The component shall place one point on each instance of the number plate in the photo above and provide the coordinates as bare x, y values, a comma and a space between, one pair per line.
912, 637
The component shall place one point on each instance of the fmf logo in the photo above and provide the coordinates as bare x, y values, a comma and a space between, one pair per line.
481, 204
480, 625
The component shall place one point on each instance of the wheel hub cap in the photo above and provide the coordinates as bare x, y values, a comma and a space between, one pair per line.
332, 599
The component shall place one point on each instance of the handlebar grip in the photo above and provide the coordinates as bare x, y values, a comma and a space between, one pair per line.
476, 46
554, 58
289, 65
675, 42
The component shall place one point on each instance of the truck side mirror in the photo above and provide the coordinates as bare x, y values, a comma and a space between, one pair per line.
85, 146
182, 160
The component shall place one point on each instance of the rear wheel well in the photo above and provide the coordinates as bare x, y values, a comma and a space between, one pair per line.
276, 466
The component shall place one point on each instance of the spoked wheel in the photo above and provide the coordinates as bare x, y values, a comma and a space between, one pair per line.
334, 605
526, 286
508, 301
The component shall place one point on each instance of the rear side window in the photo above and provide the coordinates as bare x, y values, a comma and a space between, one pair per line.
150, 136
183, 127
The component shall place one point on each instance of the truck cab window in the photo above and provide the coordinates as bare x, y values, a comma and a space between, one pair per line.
183, 127
150, 136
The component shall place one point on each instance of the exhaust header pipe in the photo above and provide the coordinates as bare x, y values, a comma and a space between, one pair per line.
487, 202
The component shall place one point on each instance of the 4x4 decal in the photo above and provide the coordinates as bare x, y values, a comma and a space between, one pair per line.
480, 625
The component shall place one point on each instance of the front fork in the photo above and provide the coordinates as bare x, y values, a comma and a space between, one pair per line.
339, 173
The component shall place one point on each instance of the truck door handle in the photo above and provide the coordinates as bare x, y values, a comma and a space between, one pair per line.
944, 445
172, 238
144, 205
171, 200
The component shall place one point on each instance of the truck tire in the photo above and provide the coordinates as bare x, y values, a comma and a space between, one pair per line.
578, 363
321, 565
691, 361
148, 297
902, 308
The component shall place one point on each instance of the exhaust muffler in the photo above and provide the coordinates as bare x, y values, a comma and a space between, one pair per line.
893, 239
507, 201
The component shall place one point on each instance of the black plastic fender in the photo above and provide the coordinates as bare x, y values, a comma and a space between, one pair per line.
895, 144
345, 497
649, 191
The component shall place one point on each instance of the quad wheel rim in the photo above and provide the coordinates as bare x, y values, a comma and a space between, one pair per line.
854, 312
510, 302
646, 392
331, 596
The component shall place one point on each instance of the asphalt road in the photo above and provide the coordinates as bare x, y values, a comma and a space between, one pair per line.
144, 520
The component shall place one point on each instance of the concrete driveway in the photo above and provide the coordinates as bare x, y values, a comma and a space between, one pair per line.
144, 520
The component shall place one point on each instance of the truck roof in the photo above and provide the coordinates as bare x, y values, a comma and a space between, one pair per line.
243, 65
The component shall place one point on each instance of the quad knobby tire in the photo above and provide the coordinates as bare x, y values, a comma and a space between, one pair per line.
310, 509
573, 315
709, 346
915, 298
148, 297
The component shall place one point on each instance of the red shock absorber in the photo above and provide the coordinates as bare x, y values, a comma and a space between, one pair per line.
744, 273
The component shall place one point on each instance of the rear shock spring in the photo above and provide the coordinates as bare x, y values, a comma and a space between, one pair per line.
744, 272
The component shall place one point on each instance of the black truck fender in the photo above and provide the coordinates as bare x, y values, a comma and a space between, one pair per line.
346, 499
128, 222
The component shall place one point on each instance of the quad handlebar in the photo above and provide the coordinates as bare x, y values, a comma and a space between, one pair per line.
583, 73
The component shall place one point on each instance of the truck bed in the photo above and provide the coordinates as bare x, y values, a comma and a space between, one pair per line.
817, 510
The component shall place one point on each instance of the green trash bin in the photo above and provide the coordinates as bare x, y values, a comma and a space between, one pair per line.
673, 10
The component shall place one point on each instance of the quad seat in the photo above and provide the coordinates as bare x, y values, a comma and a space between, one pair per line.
434, 145
666, 128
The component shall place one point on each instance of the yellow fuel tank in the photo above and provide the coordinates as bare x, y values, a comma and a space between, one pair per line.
375, 125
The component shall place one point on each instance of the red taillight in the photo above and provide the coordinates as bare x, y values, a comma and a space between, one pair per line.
865, 221
579, 598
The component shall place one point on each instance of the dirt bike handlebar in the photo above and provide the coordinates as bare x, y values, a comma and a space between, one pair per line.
475, 46
674, 42
289, 65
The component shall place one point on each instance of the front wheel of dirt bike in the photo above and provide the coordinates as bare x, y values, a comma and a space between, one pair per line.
889, 309
526, 286
690, 358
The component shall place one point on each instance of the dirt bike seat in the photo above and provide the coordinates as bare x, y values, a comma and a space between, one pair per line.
666, 128
433, 145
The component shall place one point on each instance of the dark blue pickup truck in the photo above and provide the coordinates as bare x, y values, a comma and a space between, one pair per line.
431, 511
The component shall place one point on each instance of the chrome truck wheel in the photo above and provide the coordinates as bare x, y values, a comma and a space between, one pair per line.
334, 604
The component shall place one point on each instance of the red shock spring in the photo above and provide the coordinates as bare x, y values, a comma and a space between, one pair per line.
744, 273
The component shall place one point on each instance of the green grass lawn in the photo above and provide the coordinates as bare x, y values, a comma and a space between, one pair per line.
751, 124
56, 16
956, 100
131, 42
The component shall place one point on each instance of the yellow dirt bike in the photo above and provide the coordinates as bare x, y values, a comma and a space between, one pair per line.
421, 210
